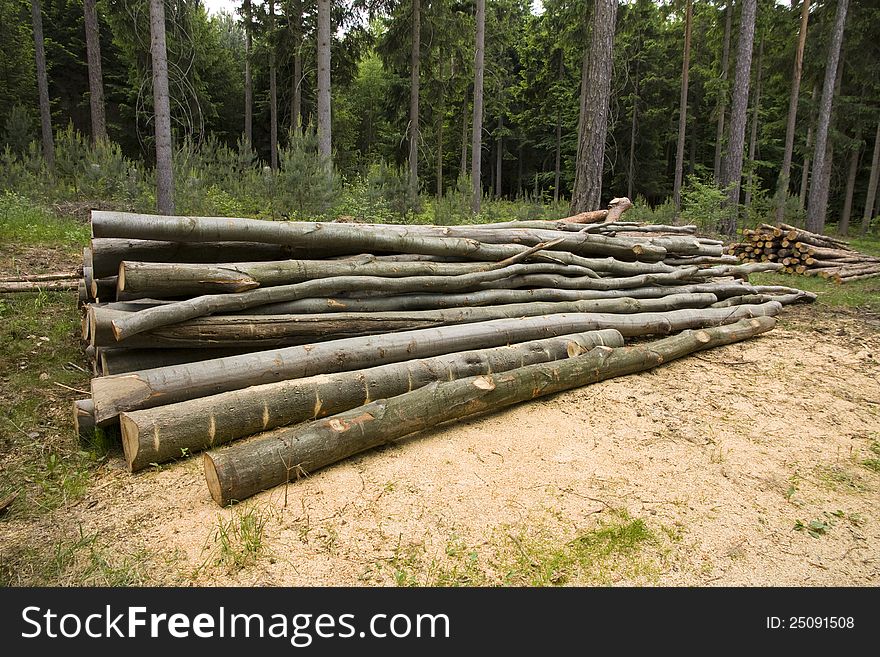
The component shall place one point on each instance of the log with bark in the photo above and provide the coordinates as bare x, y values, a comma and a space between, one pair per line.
266, 331
167, 432
274, 458
149, 388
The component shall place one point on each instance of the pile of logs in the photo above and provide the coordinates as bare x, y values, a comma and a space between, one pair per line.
320, 340
802, 252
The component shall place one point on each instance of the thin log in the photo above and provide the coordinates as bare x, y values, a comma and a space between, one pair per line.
360, 238
266, 331
283, 455
148, 388
37, 286
147, 279
167, 432
36, 278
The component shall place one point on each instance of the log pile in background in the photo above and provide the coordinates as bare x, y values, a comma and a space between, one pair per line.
801, 252
204, 331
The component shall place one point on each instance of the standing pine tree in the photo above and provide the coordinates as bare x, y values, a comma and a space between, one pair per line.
477, 130
161, 109
324, 126
43, 85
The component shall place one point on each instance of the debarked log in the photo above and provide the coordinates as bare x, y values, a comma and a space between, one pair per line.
149, 388
249, 467
163, 433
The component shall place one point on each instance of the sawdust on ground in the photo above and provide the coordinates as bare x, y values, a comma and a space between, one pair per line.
727, 456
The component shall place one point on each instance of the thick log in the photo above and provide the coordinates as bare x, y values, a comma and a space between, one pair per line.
39, 286
149, 388
147, 279
702, 260
104, 289
360, 238
248, 467
163, 433
120, 361
82, 295
784, 299
266, 331
108, 253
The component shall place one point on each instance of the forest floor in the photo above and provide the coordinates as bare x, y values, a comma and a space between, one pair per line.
753, 464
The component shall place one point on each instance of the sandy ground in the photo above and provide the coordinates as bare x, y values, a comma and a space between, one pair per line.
720, 454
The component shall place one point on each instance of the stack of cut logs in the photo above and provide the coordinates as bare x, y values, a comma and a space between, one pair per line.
321, 340
802, 252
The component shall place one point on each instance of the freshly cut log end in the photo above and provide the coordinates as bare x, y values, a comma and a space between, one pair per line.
220, 496
84, 419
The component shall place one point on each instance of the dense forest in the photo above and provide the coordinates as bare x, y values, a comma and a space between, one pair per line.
727, 111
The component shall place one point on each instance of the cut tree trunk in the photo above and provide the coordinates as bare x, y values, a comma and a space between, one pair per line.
108, 253
277, 457
267, 331
160, 434
38, 286
119, 361
355, 238
159, 279
149, 388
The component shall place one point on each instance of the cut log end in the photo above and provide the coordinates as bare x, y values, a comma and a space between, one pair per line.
213, 480
702, 337
130, 441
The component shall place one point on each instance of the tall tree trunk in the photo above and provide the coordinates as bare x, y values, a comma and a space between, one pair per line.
296, 82
682, 109
733, 161
161, 109
843, 224
440, 154
722, 102
753, 136
587, 193
273, 92
415, 58
43, 86
808, 144
785, 172
96, 78
463, 166
818, 199
248, 77
324, 126
557, 171
867, 215
634, 126
519, 168
499, 156
477, 126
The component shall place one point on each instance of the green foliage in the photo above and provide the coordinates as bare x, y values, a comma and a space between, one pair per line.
702, 204
18, 130
306, 185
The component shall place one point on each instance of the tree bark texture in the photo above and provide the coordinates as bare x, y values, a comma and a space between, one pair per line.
324, 121
248, 78
682, 109
722, 101
148, 388
415, 58
818, 198
43, 86
277, 457
297, 75
477, 125
791, 124
161, 109
587, 193
163, 433
268, 331
733, 160
96, 78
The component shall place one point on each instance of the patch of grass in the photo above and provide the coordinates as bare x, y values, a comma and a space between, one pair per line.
41, 458
873, 462
23, 222
80, 560
839, 479
239, 539
594, 557
864, 294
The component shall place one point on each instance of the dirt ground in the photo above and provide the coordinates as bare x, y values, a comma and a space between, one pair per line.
753, 464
